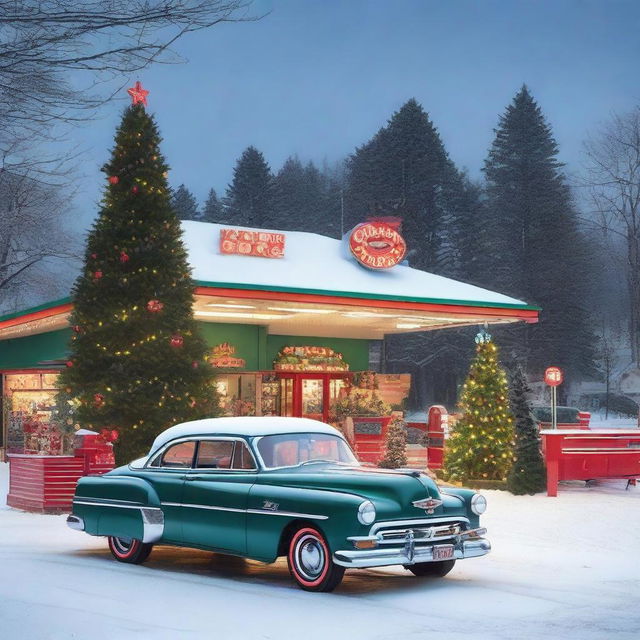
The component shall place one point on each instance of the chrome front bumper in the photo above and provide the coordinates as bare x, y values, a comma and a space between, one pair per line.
412, 553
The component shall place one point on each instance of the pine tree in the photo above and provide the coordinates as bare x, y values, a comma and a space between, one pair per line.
480, 444
249, 199
534, 250
302, 199
137, 358
184, 204
395, 445
404, 170
213, 211
528, 474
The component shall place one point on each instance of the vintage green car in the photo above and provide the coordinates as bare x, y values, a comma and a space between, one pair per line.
267, 487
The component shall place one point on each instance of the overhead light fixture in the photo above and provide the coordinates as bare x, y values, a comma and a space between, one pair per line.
408, 325
229, 306
298, 310
370, 314
251, 316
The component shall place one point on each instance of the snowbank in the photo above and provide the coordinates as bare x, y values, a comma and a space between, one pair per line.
566, 567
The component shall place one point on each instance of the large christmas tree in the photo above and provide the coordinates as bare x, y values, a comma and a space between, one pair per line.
137, 361
480, 444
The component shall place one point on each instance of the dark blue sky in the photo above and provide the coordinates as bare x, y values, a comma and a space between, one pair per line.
319, 77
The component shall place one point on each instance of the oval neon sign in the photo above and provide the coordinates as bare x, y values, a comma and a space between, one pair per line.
377, 245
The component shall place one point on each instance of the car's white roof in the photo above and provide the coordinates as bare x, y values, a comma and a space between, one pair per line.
245, 426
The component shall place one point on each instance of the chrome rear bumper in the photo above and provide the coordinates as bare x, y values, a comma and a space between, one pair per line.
410, 553
75, 522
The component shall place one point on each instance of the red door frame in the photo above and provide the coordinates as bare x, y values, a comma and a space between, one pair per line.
299, 376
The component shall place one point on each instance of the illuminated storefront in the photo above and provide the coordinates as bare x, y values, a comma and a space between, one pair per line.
290, 319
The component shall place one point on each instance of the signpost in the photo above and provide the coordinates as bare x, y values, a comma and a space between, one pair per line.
553, 377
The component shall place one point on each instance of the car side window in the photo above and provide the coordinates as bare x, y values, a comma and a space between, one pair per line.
242, 458
215, 454
178, 456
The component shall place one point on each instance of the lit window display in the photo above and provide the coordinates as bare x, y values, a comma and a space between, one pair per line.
29, 399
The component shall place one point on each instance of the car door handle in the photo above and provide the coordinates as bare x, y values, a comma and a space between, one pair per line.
192, 477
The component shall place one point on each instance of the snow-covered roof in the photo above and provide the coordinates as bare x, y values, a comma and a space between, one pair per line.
315, 263
244, 426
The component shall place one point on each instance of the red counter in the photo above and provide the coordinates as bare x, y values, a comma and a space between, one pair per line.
46, 484
574, 454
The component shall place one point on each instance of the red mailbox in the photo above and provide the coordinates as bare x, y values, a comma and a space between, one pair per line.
437, 432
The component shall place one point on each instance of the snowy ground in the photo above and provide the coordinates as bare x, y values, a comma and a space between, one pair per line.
566, 567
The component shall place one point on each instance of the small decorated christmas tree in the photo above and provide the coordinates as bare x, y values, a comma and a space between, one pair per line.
395, 445
528, 473
137, 362
480, 444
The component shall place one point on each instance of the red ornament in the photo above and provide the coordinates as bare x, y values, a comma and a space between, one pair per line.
195, 365
138, 94
114, 179
154, 306
76, 328
108, 435
177, 340
97, 275
134, 189
124, 257
69, 363
94, 256
98, 399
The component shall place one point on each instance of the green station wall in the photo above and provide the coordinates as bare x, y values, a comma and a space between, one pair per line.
251, 342
29, 352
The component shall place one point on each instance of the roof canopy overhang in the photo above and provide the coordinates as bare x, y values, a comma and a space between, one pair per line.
316, 289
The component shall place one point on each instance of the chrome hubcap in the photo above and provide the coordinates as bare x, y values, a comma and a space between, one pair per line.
122, 545
311, 557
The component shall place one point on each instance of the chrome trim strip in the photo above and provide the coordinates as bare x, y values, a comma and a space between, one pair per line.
117, 506
263, 512
201, 506
87, 499
290, 514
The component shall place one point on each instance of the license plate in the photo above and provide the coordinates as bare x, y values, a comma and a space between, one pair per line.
443, 552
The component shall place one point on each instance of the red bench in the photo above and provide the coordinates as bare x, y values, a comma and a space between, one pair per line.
574, 454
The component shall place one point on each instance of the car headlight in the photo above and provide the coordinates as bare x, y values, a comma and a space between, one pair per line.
366, 512
478, 504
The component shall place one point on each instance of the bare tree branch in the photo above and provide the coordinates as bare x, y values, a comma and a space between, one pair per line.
613, 183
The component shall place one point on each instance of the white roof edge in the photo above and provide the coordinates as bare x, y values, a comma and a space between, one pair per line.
243, 426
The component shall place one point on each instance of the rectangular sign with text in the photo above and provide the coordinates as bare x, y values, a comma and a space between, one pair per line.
260, 244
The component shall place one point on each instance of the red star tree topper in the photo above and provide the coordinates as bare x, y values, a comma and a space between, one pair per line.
138, 94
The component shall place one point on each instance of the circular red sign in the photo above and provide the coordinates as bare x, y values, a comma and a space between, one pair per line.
377, 245
553, 376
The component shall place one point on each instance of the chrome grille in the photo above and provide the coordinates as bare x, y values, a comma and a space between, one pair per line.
421, 533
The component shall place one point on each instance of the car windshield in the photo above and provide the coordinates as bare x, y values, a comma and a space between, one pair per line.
292, 449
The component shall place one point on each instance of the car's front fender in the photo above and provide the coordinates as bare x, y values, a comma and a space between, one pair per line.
271, 509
